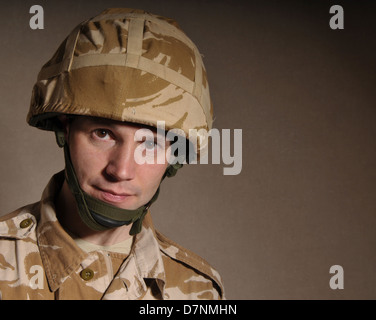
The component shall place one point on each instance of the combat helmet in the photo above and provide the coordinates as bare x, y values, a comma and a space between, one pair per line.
126, 65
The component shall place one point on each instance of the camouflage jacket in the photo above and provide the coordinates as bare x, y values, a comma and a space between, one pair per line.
39, 260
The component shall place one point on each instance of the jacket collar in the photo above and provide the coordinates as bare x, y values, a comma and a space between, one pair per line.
61, 256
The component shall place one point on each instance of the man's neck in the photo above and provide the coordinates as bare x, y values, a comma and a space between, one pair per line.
67, 213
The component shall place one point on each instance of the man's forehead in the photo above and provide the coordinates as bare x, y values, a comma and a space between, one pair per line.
115, 123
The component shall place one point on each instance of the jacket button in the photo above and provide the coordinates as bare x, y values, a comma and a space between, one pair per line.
87, 274
26, 223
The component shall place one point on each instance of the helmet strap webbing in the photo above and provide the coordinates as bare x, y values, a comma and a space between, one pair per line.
99, 215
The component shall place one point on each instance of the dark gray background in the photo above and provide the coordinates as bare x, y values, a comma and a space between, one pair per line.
304, 96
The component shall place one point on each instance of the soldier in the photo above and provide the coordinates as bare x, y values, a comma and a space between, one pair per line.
91, 236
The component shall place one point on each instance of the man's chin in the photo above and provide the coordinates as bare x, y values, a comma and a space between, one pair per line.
123, 201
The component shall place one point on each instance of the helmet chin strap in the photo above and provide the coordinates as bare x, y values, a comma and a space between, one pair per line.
99, 215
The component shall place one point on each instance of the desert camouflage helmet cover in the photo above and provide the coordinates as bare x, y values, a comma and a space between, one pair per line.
125, 65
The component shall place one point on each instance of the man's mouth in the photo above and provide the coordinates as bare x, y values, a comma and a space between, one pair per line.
112, 196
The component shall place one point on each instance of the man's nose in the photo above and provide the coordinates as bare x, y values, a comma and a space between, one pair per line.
121, 164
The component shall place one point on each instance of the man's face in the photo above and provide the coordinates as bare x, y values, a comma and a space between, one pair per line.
102, 153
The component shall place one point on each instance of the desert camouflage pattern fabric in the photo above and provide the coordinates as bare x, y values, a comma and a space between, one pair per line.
126, 65
39, 260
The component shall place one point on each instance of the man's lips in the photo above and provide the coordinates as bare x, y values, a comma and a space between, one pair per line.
113, 196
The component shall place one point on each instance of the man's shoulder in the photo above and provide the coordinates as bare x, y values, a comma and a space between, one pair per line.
18, 222
190, 263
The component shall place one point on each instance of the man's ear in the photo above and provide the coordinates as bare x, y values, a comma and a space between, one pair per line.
65, 125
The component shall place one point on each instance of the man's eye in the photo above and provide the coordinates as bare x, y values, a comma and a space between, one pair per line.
102, 133
150, 144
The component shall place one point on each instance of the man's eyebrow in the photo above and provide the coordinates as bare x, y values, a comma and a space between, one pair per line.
102, 122
114, 125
